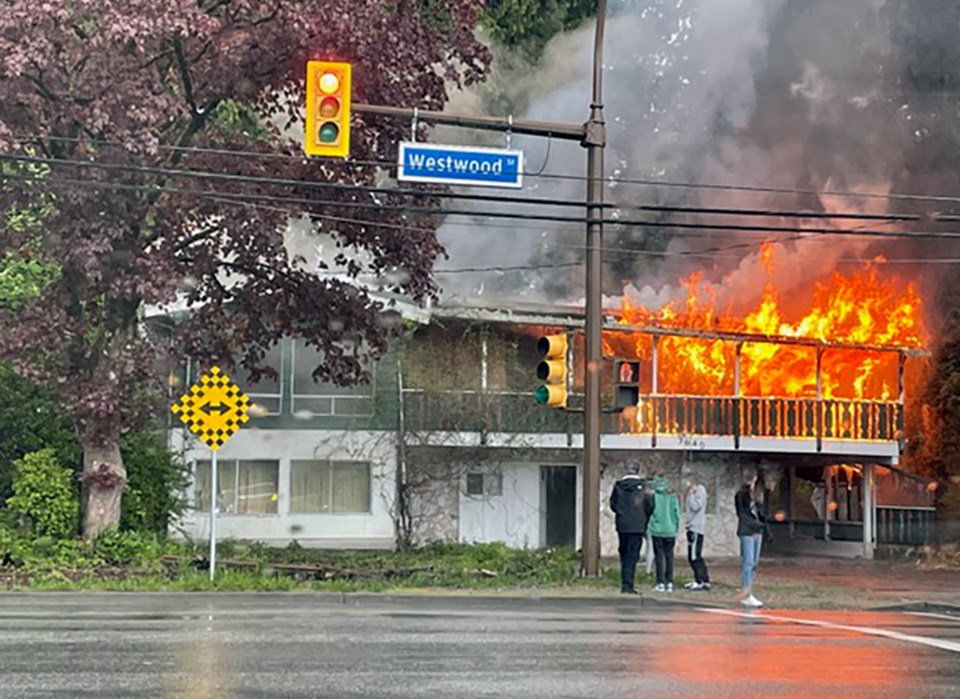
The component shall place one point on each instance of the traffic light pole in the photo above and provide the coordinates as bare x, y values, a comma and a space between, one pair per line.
594, 141
592, 136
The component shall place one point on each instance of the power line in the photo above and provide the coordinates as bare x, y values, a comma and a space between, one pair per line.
643, 223
645, 182
536, 201
708, 253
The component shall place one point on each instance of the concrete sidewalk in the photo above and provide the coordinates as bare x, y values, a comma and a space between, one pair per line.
804, 582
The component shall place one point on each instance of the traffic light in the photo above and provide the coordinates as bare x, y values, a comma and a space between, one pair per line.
328, 109
552, 370
626, 390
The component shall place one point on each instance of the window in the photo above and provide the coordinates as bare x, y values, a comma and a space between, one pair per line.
265, 392
479, 484
244, 487
321, 398
329, 486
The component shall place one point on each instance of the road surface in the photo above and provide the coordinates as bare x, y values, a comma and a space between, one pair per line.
302, 645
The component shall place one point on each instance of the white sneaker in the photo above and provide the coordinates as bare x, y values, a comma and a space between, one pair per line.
751, 601
659, 588
690, 585
693, 586
669, 587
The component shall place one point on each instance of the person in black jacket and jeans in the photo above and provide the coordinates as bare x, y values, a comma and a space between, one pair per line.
750, 527
632, 505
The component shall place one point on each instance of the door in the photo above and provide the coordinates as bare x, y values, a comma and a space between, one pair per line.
559, 496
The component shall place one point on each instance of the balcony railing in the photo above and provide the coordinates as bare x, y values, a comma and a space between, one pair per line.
784, 418
476, 411
777, 418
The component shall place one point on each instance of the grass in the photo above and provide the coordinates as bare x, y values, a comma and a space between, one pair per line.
252, 567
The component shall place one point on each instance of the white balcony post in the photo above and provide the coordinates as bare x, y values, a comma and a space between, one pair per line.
867, 485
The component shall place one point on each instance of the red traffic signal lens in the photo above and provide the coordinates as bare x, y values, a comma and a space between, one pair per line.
329, 83
329, 107
329, 133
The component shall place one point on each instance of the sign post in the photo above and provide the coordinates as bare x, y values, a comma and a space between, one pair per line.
213, 409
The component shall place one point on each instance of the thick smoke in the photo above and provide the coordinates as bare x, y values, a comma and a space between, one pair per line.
805, 95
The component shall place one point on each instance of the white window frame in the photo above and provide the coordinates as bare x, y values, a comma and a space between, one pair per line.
334, 399
329, 464
236, 488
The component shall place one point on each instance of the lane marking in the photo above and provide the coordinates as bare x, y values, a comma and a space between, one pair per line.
952, 646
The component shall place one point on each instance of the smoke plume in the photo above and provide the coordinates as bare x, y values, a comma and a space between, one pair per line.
803, 95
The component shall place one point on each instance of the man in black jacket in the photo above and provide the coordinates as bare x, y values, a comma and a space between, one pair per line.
632, 505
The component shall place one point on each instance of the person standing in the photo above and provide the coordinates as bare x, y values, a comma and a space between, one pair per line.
695, 522
750, 527
632, 505
664, 526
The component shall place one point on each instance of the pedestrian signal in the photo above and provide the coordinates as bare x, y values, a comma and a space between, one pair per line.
626, 389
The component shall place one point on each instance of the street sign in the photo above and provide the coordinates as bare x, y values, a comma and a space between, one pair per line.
437, 164
213, 409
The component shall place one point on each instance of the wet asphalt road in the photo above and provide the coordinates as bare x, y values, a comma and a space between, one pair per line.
238, 645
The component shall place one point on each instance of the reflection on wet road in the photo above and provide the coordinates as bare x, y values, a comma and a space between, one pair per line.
305, 646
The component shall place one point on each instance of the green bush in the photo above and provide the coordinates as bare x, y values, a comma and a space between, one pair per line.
156, 482
31, 421
44, 495
120, 548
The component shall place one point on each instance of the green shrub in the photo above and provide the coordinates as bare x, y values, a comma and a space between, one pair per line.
119, 548
156, 482
44, 495
31, 421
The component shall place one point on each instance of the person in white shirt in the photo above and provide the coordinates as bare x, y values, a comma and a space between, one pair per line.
695, 522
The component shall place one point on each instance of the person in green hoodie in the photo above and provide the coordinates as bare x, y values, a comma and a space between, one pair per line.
663, 527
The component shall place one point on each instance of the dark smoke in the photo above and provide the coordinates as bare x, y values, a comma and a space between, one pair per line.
808, 95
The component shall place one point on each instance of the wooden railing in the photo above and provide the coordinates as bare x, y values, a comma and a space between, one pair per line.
779, 418
785, 418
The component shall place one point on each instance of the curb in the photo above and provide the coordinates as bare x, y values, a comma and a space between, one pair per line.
933, 607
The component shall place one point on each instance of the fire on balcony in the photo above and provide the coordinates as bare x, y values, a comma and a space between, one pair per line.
830, 368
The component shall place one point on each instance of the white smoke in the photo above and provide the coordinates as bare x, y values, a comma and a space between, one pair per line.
730, 91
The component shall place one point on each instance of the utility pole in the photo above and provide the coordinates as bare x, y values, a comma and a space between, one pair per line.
595, 138
592, 135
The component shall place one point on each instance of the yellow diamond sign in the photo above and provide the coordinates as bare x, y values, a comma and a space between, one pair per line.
213, 409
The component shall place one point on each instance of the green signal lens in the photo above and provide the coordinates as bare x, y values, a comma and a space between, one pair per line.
329, 133
543, 395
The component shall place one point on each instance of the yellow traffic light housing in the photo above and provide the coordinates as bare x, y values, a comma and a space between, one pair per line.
328, 109
552, 370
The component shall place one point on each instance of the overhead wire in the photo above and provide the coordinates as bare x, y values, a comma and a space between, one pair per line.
645, 182
413, 192
446, 212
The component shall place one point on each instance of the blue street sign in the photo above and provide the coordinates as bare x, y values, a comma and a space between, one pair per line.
485, 167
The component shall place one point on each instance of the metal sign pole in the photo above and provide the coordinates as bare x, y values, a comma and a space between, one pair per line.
213, 515
213, 409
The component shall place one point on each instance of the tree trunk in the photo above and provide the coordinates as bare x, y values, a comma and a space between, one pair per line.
104, 478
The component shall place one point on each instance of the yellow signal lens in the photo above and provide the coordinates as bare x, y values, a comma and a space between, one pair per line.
329, 83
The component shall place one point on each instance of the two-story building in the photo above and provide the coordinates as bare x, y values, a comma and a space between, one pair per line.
447, 443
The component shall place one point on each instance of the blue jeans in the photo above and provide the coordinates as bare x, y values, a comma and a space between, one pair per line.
750, 557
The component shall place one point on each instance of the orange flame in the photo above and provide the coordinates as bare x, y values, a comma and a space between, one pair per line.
860, 308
